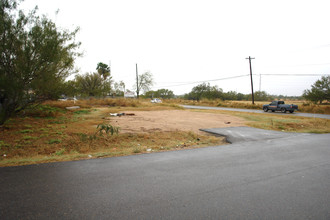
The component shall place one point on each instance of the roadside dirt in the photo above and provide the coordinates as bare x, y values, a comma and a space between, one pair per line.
173, 120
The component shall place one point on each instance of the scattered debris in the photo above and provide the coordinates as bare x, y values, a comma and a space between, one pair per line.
72, 107
121, 114
228, 122
148, 150
5, 155
90, 156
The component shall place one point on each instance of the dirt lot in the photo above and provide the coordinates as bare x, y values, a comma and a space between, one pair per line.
172, 120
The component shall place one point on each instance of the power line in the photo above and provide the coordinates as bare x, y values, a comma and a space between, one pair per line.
295, 65
292, 74
313, 64
286, 74
233, 77
211, 80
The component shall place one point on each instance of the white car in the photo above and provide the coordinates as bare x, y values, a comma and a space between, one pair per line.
156, 101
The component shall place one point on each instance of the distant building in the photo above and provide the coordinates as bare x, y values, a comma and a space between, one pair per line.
129, 95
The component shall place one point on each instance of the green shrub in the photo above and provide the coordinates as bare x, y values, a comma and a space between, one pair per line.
137, 150
26, 131
28, 137
3, 144
107, 128
54, 141
43, 111
83, 111
60, 152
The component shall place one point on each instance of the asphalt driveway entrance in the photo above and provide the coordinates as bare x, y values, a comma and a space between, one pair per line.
279, 177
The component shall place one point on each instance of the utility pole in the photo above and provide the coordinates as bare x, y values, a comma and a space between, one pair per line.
137, 82
110, 66
110, 76
250, 58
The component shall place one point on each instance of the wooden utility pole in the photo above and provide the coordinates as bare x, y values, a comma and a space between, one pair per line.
110, 66
250, 58
110, 76
137, 82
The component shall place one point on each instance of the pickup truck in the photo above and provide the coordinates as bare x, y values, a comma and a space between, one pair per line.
280, 106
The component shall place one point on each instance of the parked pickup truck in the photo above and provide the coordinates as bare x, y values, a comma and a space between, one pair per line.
280, 106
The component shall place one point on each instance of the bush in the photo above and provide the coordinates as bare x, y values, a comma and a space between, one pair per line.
54, 141
42, 111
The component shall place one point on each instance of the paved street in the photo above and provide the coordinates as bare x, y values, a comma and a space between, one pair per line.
276, 177
310, 115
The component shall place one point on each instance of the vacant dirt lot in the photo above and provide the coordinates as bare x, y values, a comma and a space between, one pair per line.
172, 120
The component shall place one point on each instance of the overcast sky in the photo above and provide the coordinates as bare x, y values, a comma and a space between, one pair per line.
185, 42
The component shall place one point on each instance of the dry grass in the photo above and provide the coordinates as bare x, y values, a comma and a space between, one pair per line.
287, 123
51, 133
40, 136
312, 108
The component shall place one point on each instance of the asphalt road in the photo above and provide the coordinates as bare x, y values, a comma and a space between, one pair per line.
279, 176
310, 115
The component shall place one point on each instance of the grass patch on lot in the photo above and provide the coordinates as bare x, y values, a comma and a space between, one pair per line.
64, 135
281, 122
287, 123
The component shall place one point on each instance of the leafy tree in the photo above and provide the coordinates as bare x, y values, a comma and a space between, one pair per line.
198, 91
241, 96
144, 83
320, 90
103, 70
201, 90
90, 84
231, 95
35, 58
205, 91
160, 93
119, 88
70, 88
261, 96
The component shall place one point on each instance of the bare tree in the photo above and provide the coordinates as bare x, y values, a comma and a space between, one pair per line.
145, 82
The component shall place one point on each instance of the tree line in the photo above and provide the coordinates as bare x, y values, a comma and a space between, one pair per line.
206, 91
101, 84
319, 93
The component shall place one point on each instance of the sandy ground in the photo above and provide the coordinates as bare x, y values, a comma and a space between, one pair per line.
172, 120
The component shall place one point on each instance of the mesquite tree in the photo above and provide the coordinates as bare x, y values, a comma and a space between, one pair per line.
35, 58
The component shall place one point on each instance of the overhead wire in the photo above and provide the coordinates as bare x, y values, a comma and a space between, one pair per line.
203, 81
239, 76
